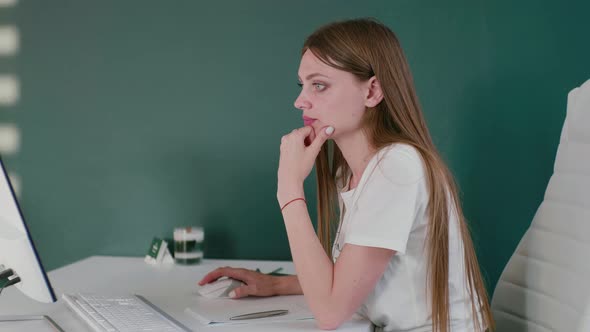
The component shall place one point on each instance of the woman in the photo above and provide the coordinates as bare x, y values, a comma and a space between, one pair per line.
402, 254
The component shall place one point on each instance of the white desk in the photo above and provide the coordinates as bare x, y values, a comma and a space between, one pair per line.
170, 288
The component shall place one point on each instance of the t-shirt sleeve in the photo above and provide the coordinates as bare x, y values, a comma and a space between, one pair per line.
388, 202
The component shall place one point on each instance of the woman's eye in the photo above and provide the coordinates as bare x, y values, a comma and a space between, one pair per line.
316, 86
319, 86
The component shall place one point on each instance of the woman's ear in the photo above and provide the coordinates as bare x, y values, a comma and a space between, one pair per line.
374, 92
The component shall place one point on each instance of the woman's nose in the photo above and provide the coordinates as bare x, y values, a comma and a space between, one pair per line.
301, 102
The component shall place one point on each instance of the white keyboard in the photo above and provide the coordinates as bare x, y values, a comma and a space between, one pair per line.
128, 313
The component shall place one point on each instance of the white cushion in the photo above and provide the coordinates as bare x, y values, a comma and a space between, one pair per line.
546, 284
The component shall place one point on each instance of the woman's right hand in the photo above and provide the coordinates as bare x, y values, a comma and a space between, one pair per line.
256, 283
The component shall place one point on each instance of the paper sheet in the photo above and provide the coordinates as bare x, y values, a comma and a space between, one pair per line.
213, 312
26, 324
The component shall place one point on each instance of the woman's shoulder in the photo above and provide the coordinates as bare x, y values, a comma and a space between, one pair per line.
401, 151
400, 163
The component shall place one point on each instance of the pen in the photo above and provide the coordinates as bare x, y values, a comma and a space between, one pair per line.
272, 272
261, 314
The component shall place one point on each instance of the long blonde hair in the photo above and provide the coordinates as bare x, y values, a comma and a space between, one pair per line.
367, 48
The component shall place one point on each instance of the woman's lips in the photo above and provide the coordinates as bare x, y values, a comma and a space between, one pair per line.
308, 121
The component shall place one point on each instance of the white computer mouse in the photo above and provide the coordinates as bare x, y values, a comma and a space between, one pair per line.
219, 288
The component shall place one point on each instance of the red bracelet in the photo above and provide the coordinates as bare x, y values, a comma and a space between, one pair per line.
293, 200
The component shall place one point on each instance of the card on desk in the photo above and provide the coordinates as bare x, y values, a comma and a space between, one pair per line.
220, 311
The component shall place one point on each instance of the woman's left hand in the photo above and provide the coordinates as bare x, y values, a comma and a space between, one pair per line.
297, 160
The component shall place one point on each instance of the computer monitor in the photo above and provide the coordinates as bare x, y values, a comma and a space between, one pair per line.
17, 250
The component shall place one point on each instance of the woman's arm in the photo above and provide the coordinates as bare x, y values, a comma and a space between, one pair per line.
288, 285
333, 291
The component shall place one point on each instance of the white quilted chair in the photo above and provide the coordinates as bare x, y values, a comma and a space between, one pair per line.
546, 284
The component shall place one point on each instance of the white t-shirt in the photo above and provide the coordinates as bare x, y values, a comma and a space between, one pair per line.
388, 210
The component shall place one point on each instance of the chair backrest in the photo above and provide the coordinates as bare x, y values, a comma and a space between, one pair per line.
546, 284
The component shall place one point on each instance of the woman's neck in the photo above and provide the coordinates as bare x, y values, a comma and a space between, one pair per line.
357, 151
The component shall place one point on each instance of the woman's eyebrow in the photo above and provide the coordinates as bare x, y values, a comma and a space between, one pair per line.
310, 76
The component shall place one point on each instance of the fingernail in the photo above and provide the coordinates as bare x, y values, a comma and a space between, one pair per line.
329, 130
232, 294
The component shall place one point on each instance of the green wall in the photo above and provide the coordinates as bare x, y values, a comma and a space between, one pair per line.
140, 116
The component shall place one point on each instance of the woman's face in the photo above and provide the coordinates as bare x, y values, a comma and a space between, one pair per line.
330, 97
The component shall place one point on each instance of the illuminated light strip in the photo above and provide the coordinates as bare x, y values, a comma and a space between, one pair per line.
9, 139
9, 90
9, 40
7, 3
